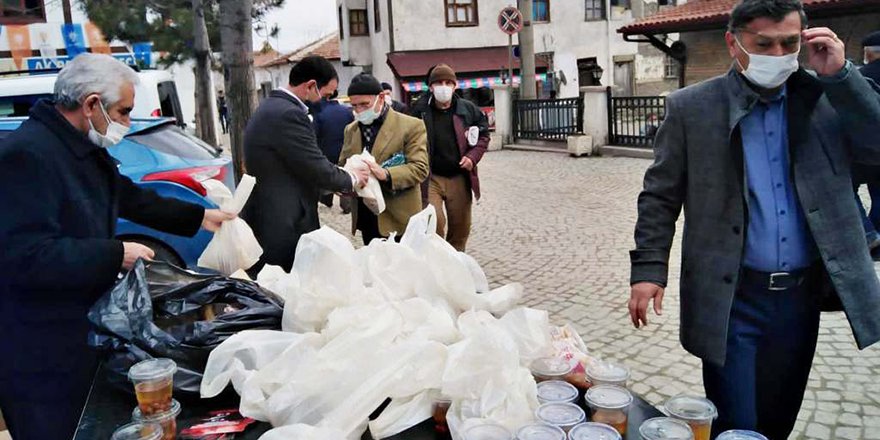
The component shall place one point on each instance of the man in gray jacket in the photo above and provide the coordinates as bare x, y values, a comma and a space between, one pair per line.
760, 160
281, 151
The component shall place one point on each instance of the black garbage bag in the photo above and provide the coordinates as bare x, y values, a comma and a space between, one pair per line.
159, 310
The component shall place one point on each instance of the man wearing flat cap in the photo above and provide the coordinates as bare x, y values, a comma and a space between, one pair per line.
864, 174
398, 143
458, 136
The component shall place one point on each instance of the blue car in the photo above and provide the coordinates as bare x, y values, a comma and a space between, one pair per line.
159, 155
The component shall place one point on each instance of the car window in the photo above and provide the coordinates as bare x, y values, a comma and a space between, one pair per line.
171, 139
169, 102
19, 105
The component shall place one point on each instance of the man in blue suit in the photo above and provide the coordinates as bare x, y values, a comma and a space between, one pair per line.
330, 119
865, 174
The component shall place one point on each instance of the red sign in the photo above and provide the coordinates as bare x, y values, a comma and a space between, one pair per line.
510, 20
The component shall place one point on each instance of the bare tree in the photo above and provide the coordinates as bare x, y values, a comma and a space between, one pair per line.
236, 35
203, 93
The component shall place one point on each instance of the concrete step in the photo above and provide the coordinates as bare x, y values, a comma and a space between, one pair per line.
543, 149
617, 151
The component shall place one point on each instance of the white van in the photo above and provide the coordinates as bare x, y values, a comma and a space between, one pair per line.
155, 95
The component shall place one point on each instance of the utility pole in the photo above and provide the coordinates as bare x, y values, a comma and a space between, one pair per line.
527, 52
68, 16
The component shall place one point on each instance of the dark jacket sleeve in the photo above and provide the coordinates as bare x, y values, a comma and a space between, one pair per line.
478, 119
298, 150
857, 102
660, 202
166, 214
35, 255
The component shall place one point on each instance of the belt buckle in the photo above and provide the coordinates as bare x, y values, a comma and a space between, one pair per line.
773, 277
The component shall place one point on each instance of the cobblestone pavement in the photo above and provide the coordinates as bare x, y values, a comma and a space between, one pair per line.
562, 227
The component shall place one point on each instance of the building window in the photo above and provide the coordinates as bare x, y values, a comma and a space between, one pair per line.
541, 11
671, 67
624, 4
595, 10
461, 13
22, 11
357, 22
377, 17
341, 25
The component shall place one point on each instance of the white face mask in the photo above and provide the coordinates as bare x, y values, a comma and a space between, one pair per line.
115, 131
388, 101
368, 116
767, 71
443, 93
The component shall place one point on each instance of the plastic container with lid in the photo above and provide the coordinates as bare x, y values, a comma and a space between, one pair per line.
609, 404
540, 431
551, 368
594, 431
665, 428
739, 434
698, 412
607, 373
166, 420
557, 391
487, 431
138, 431
562, 415
153, 384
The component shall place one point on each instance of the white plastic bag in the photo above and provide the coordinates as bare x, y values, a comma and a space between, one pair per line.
234, 246
303, 432
484, 376
372, 193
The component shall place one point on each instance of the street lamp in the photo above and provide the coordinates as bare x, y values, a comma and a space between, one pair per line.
597, 74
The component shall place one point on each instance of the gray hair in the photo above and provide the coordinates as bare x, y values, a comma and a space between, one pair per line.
873, 49
89, 74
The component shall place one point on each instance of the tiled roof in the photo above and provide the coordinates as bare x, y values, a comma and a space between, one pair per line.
327, 47
265, 56
713, 14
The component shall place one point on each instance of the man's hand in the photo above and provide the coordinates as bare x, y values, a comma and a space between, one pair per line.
133, 251
381, 173
466, 163
640, 295
826, 52
362, 174
214, 218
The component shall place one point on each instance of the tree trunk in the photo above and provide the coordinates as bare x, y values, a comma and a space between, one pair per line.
236, 29
203, 93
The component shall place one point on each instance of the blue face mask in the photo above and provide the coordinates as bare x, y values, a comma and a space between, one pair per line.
368, 116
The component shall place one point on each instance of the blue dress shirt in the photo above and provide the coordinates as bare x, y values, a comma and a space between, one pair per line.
778, 238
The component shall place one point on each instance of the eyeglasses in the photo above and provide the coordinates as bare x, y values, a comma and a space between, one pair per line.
763, 43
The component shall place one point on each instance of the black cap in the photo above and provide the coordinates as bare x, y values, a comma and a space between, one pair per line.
364, 84
386, 86
872, 40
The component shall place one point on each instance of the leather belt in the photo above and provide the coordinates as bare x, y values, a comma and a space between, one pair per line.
775, 281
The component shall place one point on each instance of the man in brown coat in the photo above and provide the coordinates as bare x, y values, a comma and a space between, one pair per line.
399, 144
458, 136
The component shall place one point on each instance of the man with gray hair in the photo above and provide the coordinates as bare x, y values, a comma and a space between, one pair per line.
62, 194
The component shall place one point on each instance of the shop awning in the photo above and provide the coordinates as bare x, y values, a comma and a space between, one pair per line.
415, 64
468, 83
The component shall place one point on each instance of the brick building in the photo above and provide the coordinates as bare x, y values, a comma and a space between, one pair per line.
702, 24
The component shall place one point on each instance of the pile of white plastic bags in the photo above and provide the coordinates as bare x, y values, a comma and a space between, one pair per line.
410, 321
